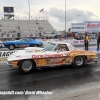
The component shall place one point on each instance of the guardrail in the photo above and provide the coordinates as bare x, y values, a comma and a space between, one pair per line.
5, 54
71, 41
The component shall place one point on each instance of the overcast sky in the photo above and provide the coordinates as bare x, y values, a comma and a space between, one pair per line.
54, 11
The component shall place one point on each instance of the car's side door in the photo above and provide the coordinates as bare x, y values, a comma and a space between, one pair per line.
60, 55
24, 43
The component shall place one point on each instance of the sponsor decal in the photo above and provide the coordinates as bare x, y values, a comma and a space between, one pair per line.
55, 61
47, 55
23, 45
37, 50
81, 40
5, 54
82, 53
1, 59
75, 41
68, 60
47, 61
93, 26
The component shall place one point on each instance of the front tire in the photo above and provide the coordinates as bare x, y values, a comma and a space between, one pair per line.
78, 61
26, 66
11, 47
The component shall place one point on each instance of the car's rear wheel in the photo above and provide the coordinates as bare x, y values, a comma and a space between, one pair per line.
26, 66
11, 47
78, 61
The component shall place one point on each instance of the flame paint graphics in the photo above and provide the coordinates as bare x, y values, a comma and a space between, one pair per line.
51, 61
57, 61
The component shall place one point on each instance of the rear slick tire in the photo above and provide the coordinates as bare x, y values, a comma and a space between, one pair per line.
26, 66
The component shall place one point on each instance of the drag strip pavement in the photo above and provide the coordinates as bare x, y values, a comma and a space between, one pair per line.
60, 80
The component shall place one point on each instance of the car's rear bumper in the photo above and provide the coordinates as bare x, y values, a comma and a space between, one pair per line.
12, 65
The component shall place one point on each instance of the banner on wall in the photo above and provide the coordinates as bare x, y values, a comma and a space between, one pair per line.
5, 54
81, 42
93, 27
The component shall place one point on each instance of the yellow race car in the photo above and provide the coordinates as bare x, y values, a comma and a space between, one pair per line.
52, 55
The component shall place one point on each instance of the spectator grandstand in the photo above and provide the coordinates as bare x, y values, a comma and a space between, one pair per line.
25, 28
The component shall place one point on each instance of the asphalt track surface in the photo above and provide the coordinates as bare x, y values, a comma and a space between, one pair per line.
60, 80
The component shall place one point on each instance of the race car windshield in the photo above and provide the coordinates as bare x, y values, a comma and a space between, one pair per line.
25, 39
49, 47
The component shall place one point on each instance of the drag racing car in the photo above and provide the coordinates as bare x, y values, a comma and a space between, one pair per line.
24, 42
52, 55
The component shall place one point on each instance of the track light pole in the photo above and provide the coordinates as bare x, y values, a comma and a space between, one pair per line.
29, 8
65, 16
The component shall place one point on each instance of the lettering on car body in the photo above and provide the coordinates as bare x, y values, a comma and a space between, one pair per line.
47, 55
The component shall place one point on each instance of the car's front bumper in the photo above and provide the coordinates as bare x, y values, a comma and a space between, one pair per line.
95, 60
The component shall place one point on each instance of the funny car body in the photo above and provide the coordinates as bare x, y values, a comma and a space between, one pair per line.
52, 55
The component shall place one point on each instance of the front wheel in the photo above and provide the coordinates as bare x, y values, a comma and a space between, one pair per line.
26, 66
11, 47
78, 61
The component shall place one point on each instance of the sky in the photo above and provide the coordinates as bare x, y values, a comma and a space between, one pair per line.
77, 11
